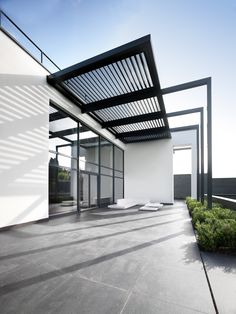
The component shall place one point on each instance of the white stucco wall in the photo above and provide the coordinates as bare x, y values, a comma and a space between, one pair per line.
24, 112
149, 171
188, 138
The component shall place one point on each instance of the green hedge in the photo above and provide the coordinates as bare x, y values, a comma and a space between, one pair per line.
215, 228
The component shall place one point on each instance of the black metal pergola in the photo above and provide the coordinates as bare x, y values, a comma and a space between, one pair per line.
120, 89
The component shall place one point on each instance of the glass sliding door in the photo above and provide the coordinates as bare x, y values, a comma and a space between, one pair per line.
84, 190
88, 150
119, 183
118, 173
85, 169
106, 170
89, 167
93, 191
63, 144
106, 191
88, 190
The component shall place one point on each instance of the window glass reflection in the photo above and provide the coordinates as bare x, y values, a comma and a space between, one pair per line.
106, 190
89, 149
106, 153
118, 158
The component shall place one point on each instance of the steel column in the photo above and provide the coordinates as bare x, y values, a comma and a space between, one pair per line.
209, 145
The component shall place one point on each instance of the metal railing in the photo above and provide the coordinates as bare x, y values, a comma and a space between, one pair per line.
24, 41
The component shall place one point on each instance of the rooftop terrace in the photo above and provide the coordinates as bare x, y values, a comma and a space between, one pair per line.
112, 261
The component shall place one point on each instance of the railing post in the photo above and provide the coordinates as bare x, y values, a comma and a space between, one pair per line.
41, 57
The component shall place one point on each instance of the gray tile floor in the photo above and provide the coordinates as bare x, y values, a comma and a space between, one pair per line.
221, 269
104, 261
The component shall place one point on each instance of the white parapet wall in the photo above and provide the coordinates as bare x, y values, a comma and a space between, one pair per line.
149, 171
24, 121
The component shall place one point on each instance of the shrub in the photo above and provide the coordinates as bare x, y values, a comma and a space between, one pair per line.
226, 233
214, 204
216, 233
215, 228
200, 214
223, 213
191, 204
206, 236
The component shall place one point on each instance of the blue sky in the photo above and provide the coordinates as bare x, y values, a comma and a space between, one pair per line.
191, 39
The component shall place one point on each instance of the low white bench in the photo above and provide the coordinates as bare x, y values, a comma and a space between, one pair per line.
151, 206
125, 203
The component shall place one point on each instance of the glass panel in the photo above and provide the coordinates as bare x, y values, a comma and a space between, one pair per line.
62, 189
62, 161
106, 171
62, 168
84, 190
93, 191
106, 190
118, 158
89, 149
106, 153
62, 133
119, 174
118, 188
87, 166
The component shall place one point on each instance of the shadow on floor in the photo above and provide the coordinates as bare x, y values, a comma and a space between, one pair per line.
53, 247
8, 288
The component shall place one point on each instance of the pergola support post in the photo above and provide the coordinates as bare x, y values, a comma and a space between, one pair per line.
193, 84
191, 111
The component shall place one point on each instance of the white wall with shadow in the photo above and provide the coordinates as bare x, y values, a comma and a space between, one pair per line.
24, 124
23, 150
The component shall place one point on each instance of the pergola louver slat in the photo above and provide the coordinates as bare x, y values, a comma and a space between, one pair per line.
134, 119
119, 100
120, 89
152, 131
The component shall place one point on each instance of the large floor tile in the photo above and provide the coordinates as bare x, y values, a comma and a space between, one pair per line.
221, 269
91, 263
142, 304
183, 287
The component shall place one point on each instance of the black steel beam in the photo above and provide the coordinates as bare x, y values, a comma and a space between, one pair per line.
144, 132
143, 140
184, 128
111, 56
64, 133
69, 131
133, 119
121, 99
184, 112
62, 137
184, 86
57, 116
